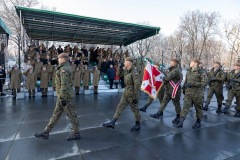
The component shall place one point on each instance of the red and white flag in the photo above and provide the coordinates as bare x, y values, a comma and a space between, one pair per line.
152, 81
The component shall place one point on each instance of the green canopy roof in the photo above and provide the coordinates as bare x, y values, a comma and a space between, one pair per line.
56, 26
3, 28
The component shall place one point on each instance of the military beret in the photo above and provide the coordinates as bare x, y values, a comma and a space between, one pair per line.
237, 64
63, 55
129, 59
195, 60
218, 63
175, 60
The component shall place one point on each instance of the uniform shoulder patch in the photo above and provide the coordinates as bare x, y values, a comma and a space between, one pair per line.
63, 71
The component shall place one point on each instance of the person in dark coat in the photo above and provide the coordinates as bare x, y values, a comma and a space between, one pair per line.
2, 80
104, 67
85, 51
110, 62
111, 75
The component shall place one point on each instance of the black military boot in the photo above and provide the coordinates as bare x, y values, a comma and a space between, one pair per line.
73, 136
43, 135
176, 120
136, 127
225, 110
143, 109
237, 114
197, 124
110, 124
180, 123
219, 109
157, 115
205, 108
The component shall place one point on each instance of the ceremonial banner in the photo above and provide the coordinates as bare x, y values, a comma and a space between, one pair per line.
152, 81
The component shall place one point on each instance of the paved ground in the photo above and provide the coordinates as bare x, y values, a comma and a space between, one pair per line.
219, 137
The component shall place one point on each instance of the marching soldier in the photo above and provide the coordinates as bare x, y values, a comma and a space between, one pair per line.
30, 82
54, 77
193, 90
16, 79
65, 100
216, 78
233, 90
130, 96
172, 83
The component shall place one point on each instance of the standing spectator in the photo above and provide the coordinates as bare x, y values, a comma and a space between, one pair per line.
31, 80
121, 75
16, 79
111, 75
85, 51
28, 65
73, 65
54, 76
85, 62
2, 80
44, 81
100, 60
49, 67
86, 78
77, 80
45, 61
77, 62
110, 62
59, 50
116, 79
37, 67
104, 66
96, 79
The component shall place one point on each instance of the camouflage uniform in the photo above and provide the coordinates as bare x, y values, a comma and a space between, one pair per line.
194, 83
215, 87
65, 97
131, 92
234, 91
175, 75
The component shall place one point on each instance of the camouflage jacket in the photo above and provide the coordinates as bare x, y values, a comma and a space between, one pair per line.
197, 79
131, 80
174, 75
235, 85
218, 79
63, 81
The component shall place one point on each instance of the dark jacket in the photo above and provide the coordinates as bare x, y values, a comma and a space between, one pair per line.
109, 63
111, 73
104, 67
2, 76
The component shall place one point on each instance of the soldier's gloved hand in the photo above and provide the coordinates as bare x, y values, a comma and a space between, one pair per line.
135, 101
63, 102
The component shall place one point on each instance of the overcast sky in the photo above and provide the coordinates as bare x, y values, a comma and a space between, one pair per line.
161, 13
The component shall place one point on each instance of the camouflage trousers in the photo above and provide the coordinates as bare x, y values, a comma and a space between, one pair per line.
70, 111
124, 102
191, 99
231, 94
218, 91
176, 102
150, 99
